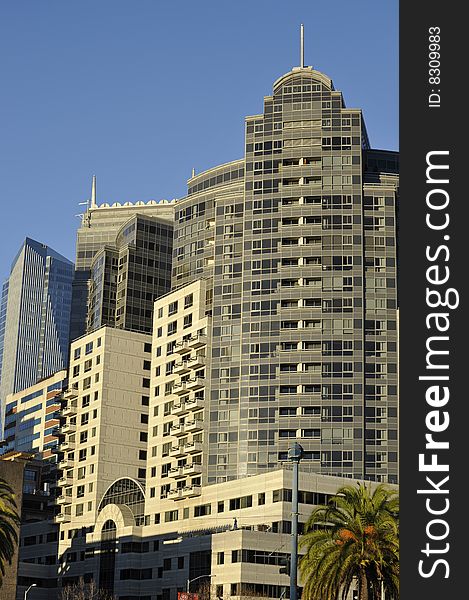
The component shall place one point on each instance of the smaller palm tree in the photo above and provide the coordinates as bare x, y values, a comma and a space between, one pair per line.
9, 523
354, 538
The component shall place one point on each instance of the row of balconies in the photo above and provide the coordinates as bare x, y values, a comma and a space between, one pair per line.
183, 407
193, 342
185, 471
192, 384
190, 491
183, 450
194, 361
193, 426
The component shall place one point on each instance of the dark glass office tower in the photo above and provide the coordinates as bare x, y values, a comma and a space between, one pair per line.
99, 228
298, 242
126, 278
35, 317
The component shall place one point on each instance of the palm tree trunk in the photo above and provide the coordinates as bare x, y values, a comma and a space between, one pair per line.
362, 586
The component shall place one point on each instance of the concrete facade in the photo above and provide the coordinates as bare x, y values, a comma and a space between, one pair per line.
105, 426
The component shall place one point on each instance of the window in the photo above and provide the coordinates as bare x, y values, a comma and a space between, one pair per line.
202, 510
143, 418
172, 327
188, 301
77, 353
89, 348
167, 562
169, 516
147, 347
172, 308
146, 365
145, 400
187, 321
242, 502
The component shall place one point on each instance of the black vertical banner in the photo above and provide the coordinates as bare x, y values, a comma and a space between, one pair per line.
433, 251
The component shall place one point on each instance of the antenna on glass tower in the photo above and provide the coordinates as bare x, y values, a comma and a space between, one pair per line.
93, 193
302, 46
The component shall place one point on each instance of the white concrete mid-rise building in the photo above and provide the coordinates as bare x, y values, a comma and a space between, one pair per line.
105, 424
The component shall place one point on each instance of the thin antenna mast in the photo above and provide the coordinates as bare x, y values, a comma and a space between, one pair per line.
302, 46
93, 193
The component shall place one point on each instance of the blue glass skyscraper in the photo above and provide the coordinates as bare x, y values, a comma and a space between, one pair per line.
34, 317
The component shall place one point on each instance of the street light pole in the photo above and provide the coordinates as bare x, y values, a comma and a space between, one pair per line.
189, 581
295, 453
26, 592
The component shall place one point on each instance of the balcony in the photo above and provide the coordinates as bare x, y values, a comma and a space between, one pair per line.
180, 388
193, 447
192, 469
195, 403
62, 518
70, 394
65, 482
193, 426
191, 491
175, 494
179, 409
63, 500
182, 347
66, 463
66, 446
177, 452
195, 383
181, 367
68, 428
178, 429
69, 410
176, 473
198, 340
196, 361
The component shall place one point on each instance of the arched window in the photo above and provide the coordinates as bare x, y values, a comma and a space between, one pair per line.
126, 492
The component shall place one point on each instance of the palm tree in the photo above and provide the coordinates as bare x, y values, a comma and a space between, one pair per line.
354, 538
9, 522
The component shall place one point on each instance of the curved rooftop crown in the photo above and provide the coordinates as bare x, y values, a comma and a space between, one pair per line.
296, 72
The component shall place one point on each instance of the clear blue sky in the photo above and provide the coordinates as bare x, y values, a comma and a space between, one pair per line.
140, 91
